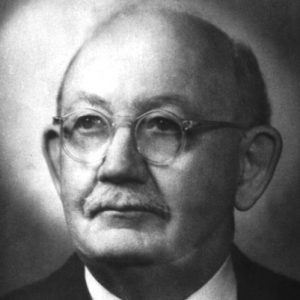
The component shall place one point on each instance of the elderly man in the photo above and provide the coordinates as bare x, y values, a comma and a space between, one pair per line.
162, 128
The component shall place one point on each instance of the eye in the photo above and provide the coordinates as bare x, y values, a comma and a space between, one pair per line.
89, 123
162, 124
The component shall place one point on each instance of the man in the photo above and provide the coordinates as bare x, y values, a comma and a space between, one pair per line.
162, 129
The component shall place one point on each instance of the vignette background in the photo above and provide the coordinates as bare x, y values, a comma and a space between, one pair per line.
37, 40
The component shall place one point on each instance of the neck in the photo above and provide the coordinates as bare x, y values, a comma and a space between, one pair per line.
173, 280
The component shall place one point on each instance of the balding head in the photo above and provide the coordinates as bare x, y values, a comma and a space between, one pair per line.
234, 87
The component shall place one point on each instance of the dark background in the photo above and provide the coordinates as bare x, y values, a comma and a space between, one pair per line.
37, 39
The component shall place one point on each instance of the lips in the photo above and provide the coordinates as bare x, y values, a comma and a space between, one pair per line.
131, 208
124, 200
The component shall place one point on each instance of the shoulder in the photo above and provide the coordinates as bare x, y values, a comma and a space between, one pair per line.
66, 283
256, 282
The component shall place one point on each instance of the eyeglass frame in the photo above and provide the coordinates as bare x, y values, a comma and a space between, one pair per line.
186, 125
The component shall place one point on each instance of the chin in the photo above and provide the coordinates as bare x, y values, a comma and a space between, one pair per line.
119, 247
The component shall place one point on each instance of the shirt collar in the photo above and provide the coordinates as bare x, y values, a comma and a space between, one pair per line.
221, 286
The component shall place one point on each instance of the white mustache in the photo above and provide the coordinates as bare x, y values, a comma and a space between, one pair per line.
129, 198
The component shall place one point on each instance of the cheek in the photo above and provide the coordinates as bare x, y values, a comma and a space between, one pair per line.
201, 183
77, 181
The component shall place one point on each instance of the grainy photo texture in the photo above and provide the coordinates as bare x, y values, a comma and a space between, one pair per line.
149, 149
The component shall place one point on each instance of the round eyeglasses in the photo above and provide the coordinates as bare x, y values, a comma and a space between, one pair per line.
159, 135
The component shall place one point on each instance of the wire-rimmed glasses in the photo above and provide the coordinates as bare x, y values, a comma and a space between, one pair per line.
159, 135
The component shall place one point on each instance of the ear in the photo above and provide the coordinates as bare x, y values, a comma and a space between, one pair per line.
51, 150
260, 152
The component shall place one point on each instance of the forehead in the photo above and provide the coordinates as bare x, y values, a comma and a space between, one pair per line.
154, 55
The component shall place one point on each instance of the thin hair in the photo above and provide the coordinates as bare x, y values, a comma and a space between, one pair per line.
253, 97
253, 105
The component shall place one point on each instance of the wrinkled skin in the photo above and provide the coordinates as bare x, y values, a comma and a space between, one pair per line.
138, 63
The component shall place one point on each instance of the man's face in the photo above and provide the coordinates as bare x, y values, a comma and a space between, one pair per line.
127, 72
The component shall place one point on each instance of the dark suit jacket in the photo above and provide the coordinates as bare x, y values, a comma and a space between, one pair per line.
253, 282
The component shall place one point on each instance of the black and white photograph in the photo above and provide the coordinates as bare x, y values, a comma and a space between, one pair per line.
149, 150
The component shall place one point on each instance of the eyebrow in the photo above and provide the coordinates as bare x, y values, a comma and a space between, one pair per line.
163, 100
90, 100
141, 104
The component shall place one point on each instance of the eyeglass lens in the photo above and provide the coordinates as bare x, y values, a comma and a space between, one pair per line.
158, 137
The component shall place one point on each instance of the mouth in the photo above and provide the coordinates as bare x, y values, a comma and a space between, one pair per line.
131, 210
126, 202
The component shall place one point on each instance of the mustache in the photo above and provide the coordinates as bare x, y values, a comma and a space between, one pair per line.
129, 198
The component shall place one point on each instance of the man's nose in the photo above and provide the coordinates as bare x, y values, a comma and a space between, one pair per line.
122, 162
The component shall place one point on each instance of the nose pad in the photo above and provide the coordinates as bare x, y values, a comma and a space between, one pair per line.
122, 162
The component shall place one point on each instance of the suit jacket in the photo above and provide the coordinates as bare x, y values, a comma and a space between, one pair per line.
254, 282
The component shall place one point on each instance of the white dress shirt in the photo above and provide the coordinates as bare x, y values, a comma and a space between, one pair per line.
222, 286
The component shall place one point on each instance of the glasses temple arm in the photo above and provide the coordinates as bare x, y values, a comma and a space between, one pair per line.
190, 125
